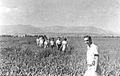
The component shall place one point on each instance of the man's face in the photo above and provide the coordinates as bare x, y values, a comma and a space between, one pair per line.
58, 38
87, 41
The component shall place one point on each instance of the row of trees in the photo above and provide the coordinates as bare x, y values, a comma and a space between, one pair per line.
28, 35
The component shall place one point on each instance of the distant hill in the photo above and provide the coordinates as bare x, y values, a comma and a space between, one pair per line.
78, 29
20, 29
29, 29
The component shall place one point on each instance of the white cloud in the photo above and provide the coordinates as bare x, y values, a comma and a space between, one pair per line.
10, 15
8, 10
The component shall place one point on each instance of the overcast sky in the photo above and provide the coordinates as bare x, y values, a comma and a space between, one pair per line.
100, 13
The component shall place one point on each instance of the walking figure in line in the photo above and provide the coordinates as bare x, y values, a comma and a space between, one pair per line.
46, 42
58, 43
52, 43
41, 41
92, 58
64, 45
37, 41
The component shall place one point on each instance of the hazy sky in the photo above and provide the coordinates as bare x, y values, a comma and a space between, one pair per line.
100, 13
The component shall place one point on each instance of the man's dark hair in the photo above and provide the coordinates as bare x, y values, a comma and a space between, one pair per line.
89, 37
65, 39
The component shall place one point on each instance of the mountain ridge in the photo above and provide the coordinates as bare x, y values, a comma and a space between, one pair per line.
29, 29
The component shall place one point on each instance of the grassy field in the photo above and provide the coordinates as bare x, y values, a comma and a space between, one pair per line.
22, 57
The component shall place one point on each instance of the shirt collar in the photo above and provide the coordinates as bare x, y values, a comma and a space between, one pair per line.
88, 47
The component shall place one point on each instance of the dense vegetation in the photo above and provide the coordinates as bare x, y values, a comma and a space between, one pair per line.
22, 57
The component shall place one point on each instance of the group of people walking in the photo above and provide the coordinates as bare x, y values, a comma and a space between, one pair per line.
61, 44
44, 42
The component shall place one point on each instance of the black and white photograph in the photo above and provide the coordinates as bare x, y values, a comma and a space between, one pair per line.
59, 37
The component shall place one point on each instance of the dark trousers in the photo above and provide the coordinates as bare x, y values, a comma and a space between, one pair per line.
59, 45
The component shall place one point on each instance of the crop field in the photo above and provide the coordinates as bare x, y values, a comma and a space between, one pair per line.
22, 57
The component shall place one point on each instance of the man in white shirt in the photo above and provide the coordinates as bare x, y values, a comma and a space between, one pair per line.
64, 45
58, 43
92, 57
52, 43
41, 40
37, 41
46, 43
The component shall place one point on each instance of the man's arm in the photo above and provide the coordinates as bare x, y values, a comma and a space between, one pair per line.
96, 56
56, 44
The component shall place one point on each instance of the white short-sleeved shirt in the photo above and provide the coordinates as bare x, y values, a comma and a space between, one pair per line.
58, 42
51, 42
37, 40
41, 41
46, 42
64, 42
64, 45
91, 51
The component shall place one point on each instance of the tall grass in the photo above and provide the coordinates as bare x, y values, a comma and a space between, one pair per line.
22, 57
